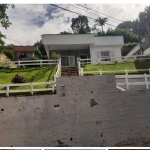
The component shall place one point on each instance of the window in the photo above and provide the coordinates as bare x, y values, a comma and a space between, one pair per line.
105, 56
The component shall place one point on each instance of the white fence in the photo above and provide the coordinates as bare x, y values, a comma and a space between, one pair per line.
82, 72
58, 72
32, 84
32, 63
127, 83
8, 86
36, 62
107, 59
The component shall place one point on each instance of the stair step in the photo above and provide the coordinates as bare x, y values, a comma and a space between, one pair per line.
69, 71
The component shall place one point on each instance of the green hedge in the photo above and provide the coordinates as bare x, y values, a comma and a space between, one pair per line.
126, 48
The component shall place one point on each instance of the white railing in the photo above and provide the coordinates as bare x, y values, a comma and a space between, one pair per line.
58, 72
107, 59
32, 84
35, 62
31, 89
127, 83
126, 71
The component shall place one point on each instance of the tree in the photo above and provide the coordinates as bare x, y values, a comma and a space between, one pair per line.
101, 21
129, 37
40, 46
37, 52
126, 25
4, 19
144, 18
80, 25
8, 47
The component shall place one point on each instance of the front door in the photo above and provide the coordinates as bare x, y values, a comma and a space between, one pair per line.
64, 61
67, 60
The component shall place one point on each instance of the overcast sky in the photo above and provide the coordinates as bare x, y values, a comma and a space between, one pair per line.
29, 22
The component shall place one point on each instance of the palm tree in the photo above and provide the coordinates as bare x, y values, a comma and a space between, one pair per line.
101, 21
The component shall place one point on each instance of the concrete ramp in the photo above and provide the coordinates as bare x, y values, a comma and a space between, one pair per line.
86, 111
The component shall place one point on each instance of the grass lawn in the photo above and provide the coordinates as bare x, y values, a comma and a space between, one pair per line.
34, 74
118, 66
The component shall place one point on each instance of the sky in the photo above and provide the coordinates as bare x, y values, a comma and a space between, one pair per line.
30, 21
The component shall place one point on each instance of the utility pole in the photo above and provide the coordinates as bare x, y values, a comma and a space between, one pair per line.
148, 28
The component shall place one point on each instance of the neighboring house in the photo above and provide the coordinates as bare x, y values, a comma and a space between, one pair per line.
22, 52
84, 46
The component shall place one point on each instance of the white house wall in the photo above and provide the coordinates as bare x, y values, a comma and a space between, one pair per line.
116, 49
108, 40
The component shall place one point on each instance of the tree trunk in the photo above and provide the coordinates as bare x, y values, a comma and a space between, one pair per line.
102, 28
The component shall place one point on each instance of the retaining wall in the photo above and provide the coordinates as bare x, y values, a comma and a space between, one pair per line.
86, 111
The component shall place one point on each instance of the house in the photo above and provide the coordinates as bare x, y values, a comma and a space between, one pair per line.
24, 51
84, 46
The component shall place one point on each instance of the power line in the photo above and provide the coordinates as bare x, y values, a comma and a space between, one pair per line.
100, 13
14, 41
79, 14
92, 13
10, 39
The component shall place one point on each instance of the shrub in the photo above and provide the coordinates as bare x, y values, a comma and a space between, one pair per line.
55, 55
44, 57
31, 58
10, 54
126, 48
18, 79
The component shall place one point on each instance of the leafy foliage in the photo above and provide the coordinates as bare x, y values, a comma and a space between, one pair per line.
139, 26
10, 54
126, 25
129, 37
44, 57
18, 79
55, 55
40, 46
65, 32
32, 58
8, 47
80, 25
37, 52
101, 22
4, 19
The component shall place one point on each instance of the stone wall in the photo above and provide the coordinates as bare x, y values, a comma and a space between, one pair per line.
86, 111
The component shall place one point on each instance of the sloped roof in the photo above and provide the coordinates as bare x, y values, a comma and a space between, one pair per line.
24, 48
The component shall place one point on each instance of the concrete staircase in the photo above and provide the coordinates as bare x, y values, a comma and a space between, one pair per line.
145, 44
69, 71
